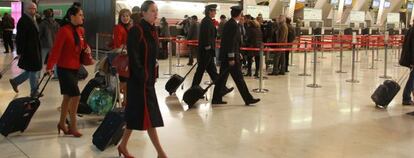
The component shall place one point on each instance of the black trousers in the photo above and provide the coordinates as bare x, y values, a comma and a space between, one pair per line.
287, 61
250, 62
7, 40
205, 61
191, 54
236, 74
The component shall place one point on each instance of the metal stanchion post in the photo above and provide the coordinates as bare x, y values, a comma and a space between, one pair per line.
353, 80
97, 46
341, 55
322, 45
177, 54
372, 58
291, 58
385, 56
315, 56
377, 49
169, 57
357, 53
261, 89
305, 58
316, 40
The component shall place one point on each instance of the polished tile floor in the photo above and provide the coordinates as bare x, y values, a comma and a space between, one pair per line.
338, 120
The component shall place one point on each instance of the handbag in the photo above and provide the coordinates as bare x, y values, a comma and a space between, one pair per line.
86, 58
121, 62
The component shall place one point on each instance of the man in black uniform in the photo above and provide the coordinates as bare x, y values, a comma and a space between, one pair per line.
230, 60
206, 48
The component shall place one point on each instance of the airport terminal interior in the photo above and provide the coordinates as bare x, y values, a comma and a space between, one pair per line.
322, 107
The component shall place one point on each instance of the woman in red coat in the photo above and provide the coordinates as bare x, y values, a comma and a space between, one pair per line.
142, 111
65, 52
120, 34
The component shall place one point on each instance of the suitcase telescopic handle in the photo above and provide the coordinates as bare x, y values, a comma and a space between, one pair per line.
44, 86
403, 76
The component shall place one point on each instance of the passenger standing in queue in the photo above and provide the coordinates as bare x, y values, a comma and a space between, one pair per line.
142, 111
230, 60
254, 40
193, 33
207, 49
66, 50
120, 34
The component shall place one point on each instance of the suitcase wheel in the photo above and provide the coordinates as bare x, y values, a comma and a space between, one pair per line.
380, 107
170, 93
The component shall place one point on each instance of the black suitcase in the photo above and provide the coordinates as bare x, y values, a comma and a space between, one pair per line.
385, 92
19, 112
110, 131
175, 81
83, 107
192, 95
7, 67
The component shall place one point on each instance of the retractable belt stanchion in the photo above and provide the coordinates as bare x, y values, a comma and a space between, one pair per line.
305, 58
322, 45
357, 51
261, 89
177, 53
385, 56
377, 49
341, 55
97, 46
316, 39
315, 56
291, 57
372, 58
169, 44
353, 80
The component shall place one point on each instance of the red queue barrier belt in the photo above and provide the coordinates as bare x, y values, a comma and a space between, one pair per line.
333, 41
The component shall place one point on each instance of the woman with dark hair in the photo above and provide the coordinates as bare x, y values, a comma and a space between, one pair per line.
120, 33
142, 111
66, 51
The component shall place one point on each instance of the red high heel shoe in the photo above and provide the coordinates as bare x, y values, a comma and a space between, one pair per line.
60, 128
122, 153
75, 133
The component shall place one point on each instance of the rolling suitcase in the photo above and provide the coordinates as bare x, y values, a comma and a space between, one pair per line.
7, 67
110, 131
175, 81
385, 92
20, 111
192, 95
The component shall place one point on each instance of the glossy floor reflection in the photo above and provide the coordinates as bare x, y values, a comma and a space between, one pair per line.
292, 121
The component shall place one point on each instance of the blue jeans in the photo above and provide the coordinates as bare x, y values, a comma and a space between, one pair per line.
32, 75
408, 88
